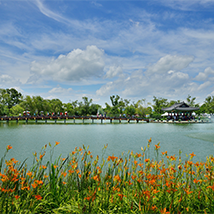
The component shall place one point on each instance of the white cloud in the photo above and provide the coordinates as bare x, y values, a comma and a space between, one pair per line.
169, 62
113, 71
204, 85
166, 83
60, 90
206, 75
75, 66
106, 89
7, 81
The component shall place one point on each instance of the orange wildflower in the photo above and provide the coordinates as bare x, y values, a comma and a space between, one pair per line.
150, 140
147, 160
39, 182
55, 166
157, 146
121, 196
38, 197
112, 158
117, 178
29, 174
192, 154
34, 185
64, 173
96, 178
179, 167
57, 143
9, 147
17, 197
211, 187
44, 167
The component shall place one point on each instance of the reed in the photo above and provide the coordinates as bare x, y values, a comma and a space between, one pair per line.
130, 183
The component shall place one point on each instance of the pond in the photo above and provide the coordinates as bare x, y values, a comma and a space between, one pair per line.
28, 138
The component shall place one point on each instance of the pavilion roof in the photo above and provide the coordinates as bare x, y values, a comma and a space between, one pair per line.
180, 107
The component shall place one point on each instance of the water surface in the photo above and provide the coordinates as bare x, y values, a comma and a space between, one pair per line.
28, 138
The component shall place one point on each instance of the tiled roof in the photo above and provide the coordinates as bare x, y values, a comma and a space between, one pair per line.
180, 107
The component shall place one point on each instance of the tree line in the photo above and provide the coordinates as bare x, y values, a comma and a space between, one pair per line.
13, 103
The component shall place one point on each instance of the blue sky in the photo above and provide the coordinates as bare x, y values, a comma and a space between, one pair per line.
136, 49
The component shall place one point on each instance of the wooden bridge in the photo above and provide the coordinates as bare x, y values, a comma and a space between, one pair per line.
74, 118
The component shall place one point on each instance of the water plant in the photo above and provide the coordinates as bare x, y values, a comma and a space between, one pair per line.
130, 183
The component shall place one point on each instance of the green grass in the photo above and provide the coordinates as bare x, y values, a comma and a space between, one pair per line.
131, 183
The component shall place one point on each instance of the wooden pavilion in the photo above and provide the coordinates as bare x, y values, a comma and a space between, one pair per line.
180, 111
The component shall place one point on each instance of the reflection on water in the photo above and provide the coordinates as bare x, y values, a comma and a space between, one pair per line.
31, 137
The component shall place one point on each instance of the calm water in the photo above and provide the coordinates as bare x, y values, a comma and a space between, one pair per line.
28, 138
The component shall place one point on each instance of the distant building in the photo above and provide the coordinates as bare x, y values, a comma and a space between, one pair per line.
180, 111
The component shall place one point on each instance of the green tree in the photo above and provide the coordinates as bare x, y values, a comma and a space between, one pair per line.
16, 110
159, 103
8, 99
191, 101
115, 104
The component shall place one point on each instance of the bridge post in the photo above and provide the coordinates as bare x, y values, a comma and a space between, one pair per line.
45, 120
55, 120
26, 120
119, 120
17, 119
74, 119
101, 120
65, 120
92, 120
110, 120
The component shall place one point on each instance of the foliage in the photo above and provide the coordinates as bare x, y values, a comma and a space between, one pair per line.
12, 103
131, 183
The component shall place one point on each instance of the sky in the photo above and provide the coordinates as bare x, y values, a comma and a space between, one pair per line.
69, 49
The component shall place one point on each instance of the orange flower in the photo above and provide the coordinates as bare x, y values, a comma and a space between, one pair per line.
192, 155
39, 182
157, 146
9, 147
57, 143
64, 173
44, 167
29, 174
147, 160
112, 158
121, 196
17, 197
34, 185
117, 178
150, 140
179, 167
96, 178
212, 187
38, 197
163, 153
55, 166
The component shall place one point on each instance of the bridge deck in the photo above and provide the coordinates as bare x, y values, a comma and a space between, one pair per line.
26, 118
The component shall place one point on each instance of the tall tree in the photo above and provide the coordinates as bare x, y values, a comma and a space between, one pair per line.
159, 103
191, 101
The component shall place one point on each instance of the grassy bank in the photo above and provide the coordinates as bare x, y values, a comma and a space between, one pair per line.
83, 183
